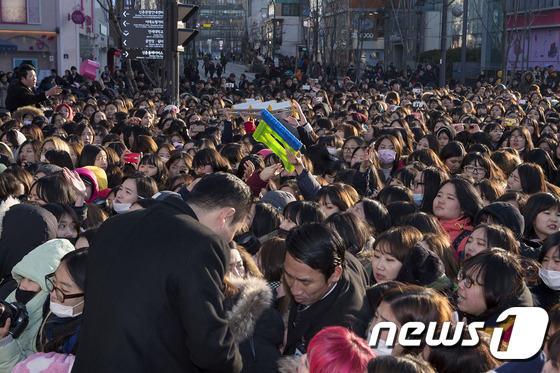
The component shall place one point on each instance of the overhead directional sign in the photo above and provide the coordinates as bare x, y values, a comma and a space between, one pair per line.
143, 54
143, 29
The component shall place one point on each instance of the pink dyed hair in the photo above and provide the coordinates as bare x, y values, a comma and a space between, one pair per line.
336, 349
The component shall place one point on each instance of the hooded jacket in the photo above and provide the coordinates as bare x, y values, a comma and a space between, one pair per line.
509, 216
24, 110
256, 326
22, 228
423, 267
525, 84
87, 173
34, 266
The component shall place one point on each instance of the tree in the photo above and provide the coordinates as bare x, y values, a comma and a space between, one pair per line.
362, 23
405, 26
114, 9
521, 21
492, 15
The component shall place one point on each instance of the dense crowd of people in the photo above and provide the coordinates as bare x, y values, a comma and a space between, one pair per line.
142, 235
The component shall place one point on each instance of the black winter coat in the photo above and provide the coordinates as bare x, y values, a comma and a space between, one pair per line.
20, 95
154, 298
256, 326
346, 306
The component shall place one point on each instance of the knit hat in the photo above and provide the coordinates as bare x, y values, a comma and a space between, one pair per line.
171, 108
450, 131
278, 198
165, 195
264, 152
505, 214
70, 111
324, 106
48, 169
420, 267
359, 117
101, 176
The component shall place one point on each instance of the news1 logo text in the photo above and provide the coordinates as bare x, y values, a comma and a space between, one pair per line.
526, 340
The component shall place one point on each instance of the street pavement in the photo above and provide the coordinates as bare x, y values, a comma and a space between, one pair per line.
235, 68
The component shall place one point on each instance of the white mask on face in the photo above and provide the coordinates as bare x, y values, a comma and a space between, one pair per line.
63, 311
331, 150
550, 278
177, 144
43, 158
382, 348
164, 159
121, 208
27, 122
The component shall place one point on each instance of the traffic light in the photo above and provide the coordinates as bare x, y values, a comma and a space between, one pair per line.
184, 12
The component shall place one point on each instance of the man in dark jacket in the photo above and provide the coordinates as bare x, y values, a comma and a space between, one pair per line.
328, 286
154, 286
22, 92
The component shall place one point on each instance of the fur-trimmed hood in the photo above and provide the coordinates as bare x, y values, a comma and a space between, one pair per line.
24, 110
254, 297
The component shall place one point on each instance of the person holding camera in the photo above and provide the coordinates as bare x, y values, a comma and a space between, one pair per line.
18, 340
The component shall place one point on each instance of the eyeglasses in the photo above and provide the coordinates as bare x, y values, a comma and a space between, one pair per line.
475, 170
59, 293
468, 282
517, 138
348, 150
416, 183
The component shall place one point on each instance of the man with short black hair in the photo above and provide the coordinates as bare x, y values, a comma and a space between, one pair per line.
22, 92
328, 285
75, 77
154, 287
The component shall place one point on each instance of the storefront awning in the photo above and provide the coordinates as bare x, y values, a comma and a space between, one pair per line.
6, 46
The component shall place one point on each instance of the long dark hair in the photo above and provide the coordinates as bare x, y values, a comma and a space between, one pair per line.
432, 177
536, 204
55, 336
468, 197
532, 178
501, 273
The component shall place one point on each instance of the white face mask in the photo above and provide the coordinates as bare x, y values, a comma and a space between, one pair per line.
382, 348
177, 144
331, 150
27, 122
63, 311
121, 208
164, 159
550, 278
43, 158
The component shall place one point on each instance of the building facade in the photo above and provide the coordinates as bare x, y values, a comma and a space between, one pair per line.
52, 33
223, 27
534, 34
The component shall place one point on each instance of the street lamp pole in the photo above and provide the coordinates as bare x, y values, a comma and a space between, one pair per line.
464, 41
273, 29
443, 45
316, 38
